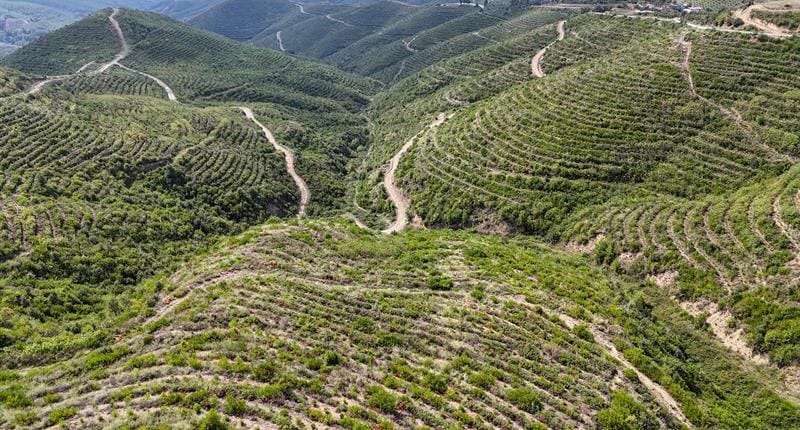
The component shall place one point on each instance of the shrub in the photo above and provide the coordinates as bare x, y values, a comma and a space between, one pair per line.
264, 371
234, 406
212, 421
583, 332
484, 380
60, 415
332, 358
381, 399
436, 382
438, 282
14, 397
625, 413
525, 399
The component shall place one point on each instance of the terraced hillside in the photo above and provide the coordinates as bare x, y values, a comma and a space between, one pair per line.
659, 139
384, 40
201, 233
107, 182
517, 336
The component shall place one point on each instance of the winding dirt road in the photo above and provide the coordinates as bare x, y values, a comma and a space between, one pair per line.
768, 28
302, 9
338, 20
731, 114
280, 41
124, 51
159, 82
305, 194
396, 195
408, 45
536, 61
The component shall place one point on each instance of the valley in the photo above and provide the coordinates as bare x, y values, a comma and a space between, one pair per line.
383, 215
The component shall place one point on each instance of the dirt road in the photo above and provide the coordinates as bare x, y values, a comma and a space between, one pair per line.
661, 395
280, 41
765, 27
124, 50
536, 61
159, 82
305, 194
396, 195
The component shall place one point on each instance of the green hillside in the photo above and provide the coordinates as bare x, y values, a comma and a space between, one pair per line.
516, 335
107, 182
380, 215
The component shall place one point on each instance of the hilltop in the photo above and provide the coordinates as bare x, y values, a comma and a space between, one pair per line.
424, 328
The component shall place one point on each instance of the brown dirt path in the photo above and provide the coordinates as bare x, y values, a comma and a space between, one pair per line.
305, 193
536, 61
396, 195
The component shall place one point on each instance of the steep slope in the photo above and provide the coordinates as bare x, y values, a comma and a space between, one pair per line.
183, 9
242, 19
362, 330
107, 181
373, 40
638, 134
745, 241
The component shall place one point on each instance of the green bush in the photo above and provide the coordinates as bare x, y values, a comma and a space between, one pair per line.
439, 282
14, 396
234, 406
625, 413
484, 380
58, 416
436, 382
525, 399
265, 371
381, 399
212, 421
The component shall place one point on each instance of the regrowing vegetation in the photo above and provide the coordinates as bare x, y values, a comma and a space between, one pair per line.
387, 216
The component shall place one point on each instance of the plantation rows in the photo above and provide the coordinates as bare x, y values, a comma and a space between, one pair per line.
790, 20
243, 19
338, 346
114, 81
474, 76
196, 65
325, 32
214, 153
542, 149
56, 54
758, 82
746, 239
48, 218
462, 36
386, 48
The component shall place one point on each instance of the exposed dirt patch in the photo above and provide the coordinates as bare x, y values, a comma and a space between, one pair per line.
665, 279
733, 338
585, 248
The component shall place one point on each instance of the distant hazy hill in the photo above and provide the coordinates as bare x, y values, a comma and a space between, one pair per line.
183, 9
23, 21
